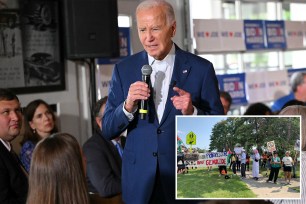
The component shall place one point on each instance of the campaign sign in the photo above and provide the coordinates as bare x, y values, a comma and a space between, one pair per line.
275, 34
206, 34
254, 34
294, 34
291, 71
266, 85
234, 84
125, 47
256, 87
277, 84
231, 32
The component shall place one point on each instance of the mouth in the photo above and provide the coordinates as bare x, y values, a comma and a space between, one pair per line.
48, 125
152, 46
15, 126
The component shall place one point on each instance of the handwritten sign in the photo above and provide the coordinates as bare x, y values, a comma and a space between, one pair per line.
271, 146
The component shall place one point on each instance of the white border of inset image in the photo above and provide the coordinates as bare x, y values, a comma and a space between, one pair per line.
202, 121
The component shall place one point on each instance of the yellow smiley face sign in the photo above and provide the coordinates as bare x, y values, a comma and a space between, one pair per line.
191, 138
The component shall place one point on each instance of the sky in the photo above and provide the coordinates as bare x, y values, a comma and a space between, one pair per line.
201, 126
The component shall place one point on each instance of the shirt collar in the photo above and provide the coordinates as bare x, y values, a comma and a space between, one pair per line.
6, 144
169, 59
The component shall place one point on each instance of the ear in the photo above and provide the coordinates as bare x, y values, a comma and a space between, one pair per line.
173, 28
98, 121
32, 125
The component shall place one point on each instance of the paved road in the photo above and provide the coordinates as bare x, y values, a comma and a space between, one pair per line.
270, 190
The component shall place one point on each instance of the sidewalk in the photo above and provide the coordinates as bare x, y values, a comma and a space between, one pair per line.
270, 190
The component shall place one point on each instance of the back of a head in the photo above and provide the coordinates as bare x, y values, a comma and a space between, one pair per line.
57, 173
7, 95
258, 109
226, 96
297, 110
147, 4
97, 109
296, 79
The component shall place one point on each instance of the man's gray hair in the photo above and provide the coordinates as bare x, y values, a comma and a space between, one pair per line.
156, 3
296, 79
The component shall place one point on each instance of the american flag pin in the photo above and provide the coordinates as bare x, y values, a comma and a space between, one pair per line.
185, 71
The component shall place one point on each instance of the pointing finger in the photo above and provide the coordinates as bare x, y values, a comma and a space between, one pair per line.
181, 92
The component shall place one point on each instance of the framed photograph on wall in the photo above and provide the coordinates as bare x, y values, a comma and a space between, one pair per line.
11, 53
37, 65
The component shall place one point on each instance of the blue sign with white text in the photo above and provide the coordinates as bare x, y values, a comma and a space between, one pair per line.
125, 47
275, 34
234, 84
254, 34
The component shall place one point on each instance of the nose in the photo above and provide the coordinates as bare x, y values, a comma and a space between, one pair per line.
46, 116
15, 115
149, 36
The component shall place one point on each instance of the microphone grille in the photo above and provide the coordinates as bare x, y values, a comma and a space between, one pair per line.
146, 70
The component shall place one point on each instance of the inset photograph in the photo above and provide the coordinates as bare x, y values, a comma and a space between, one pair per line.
238, 157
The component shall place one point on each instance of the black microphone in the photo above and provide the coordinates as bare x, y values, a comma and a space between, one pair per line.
146, 71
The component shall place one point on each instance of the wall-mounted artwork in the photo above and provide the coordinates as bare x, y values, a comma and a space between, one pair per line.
30, 51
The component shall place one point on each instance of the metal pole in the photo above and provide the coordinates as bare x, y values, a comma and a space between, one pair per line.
92, 68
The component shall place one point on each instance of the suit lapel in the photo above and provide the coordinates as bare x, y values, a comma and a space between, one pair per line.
180, 73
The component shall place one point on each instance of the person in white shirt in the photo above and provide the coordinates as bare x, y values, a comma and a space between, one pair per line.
287, 161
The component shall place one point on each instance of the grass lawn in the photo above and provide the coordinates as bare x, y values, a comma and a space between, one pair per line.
200, 183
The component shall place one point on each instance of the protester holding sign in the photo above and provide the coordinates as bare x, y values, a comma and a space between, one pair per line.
275, 166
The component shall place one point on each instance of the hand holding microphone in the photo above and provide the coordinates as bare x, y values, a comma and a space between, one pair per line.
146, 71
139, 90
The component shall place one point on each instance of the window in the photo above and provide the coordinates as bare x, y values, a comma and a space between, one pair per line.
261, 60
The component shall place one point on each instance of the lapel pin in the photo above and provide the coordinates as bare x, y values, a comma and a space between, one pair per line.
185, 71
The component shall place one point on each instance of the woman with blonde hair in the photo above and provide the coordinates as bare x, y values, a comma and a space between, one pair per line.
57, 174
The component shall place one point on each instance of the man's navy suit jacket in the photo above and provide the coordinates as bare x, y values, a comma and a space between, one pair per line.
103, 166
149, 141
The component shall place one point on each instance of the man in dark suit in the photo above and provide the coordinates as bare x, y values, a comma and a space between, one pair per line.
103, 162
13, 179
189, 87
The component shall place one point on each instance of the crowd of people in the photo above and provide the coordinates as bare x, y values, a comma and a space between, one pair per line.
53, 168
267, 162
